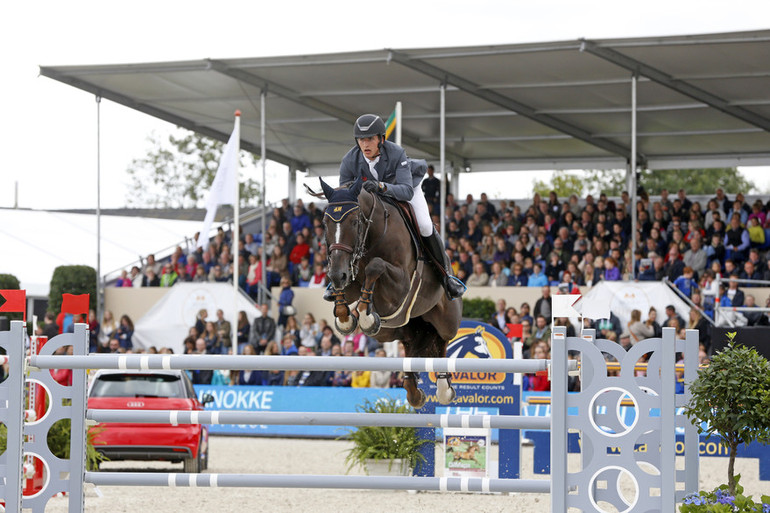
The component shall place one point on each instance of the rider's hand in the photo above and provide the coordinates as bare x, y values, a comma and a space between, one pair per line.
373, 186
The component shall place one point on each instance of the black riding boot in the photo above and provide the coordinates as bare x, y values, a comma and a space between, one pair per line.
453, 286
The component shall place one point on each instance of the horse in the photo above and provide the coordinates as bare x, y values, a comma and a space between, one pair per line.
469, 454
375, 265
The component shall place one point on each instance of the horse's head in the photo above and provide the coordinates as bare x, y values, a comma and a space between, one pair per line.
344, 227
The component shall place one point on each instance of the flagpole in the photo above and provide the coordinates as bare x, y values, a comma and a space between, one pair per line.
99, 288
236, 236
398, 123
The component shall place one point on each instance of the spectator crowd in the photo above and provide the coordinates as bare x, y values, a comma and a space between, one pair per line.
704, 250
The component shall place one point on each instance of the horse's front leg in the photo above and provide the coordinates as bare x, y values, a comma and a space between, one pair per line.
414, 395
445, 392
343, 320
368, 318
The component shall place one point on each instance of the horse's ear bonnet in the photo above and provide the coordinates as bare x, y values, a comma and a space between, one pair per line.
341, 201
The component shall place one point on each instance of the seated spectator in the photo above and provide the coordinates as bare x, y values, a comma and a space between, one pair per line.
303, 272
169, 275
538, 278
736, 240
319, 279
639, 330
611, 271
125, 332
249, 377
201, 377
124, 280
150, 279
380, 379
479, 278
750, 273
498, 277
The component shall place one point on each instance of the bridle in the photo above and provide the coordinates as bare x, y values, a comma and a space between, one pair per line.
365, 222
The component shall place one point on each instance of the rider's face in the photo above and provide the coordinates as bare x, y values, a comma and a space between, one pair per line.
370, 146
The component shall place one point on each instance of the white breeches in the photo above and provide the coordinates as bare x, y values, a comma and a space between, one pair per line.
421, 212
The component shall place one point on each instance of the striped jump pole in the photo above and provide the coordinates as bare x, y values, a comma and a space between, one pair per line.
320, 419
443, 484
314, 363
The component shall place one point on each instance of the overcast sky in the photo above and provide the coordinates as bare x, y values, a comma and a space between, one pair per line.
49, 129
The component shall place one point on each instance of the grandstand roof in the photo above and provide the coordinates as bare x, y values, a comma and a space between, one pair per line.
702, 101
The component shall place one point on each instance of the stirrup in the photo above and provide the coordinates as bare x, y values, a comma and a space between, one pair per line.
329, 293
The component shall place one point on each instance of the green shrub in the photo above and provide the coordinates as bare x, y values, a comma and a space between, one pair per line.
478, 308
732, 395
384, 442
72, 279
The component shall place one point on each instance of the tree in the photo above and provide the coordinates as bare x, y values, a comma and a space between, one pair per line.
72, 279
694, 181
177, 172
564, 184
732, 396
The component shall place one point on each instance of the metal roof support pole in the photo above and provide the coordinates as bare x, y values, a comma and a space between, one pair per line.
263, 163
99, 288
442, 152
634, 235
292, 185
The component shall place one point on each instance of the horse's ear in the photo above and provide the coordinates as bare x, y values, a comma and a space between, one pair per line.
328, 190
356, 187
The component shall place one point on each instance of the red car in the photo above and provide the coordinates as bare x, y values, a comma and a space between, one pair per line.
149, 390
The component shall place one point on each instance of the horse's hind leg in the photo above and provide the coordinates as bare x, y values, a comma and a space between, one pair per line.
414, 395
445, 393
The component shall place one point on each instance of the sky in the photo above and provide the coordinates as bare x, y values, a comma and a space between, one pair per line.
49, 129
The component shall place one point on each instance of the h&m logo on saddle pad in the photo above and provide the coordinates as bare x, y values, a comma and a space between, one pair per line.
337, 212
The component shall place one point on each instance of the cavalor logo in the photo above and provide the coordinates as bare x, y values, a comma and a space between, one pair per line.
338, 209
474, 340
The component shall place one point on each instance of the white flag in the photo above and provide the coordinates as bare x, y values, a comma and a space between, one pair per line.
561, 305
223, 189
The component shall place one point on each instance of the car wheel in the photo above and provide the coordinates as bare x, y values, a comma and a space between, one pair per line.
192, 465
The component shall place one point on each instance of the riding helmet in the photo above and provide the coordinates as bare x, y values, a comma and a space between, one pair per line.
368, 125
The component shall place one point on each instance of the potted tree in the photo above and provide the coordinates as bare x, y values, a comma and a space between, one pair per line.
732, 397
382, 450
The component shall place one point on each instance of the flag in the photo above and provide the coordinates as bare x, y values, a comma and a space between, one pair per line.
223, 188
515, 330
390, 125
75, 304
14, 301
562, 305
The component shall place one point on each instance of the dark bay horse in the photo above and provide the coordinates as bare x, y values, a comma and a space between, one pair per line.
373, 262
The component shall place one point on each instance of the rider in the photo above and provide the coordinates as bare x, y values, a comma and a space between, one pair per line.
388, 171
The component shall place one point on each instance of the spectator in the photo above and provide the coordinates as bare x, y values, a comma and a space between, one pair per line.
318, 280
249, 377
538, 278
543, 305
540, 332
303, 272
380, 379
201, 377
262, 330
733, 293
750, 273
150, 279
652, 321
273, 377
285, 299
243, 331
224, 331
124, 280
50, 329
685, 283
736, 240
639, 330
288, 348
498, 319
611, 271
169, 275
94, 328
517, 278
673, 318
497, 278
479, 278
696, 257
125, 332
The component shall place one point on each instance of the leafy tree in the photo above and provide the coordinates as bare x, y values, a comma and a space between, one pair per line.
732, 396
72, 279
608, 181
694, 181
177, 172
564, 184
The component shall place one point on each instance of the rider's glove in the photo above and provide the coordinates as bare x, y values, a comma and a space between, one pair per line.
374, 186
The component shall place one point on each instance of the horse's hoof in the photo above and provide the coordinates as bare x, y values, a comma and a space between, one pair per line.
346, 328
370, 324
419, 402
447, 396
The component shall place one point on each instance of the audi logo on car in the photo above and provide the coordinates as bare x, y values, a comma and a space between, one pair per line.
135, 404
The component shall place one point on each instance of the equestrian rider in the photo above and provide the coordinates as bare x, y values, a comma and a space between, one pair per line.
389, 172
